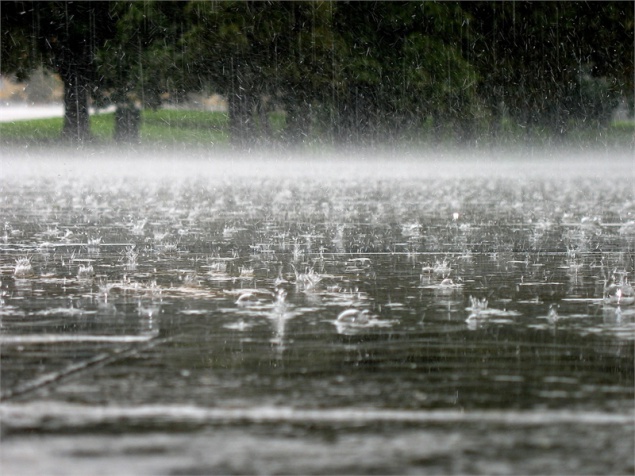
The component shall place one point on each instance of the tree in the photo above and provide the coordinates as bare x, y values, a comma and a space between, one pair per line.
402, 67
140, 64
552, 65
221, 54
63, 36
261, 54
303, 68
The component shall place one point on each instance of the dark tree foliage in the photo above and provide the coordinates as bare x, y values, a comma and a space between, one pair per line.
18, 49
402, 67
551, 65
262, 54
361, 72
375, 71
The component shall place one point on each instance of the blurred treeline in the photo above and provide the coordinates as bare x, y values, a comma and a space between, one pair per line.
341, 72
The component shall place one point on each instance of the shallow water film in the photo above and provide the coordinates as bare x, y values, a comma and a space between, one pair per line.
271, 315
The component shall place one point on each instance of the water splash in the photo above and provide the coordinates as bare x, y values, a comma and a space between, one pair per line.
620, 294
23, 267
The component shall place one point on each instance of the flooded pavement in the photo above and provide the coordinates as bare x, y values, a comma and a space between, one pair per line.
272, 315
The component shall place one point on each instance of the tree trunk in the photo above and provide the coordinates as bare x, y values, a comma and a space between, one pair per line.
76, 117
127, 122
361, 116
241, 124
346, 131
298, 121
263, 108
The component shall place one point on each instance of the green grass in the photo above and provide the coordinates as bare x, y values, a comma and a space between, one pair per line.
37, 130
162, 127
166, 127
179, 126
102, 127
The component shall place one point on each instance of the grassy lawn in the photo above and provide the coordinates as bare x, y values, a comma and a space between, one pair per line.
162, 127
167, 127
36, 130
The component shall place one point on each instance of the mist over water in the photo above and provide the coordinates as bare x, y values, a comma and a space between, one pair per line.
183, 161
444, 311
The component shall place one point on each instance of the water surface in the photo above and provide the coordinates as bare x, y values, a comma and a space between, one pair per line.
193, 303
